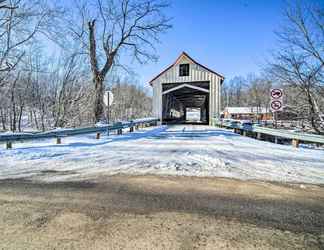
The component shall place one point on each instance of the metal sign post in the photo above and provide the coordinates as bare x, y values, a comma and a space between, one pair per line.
276, 103
275, 119
108, 100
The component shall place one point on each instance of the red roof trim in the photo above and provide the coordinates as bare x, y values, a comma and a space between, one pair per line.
185, 54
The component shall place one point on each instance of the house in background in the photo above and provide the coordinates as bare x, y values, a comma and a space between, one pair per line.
247, 113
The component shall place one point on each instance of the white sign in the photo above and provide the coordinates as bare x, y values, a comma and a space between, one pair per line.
276, 103
108, 98
276, 93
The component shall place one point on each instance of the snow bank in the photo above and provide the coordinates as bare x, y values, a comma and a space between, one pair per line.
15, 133
144, 119
101, 124
176, 150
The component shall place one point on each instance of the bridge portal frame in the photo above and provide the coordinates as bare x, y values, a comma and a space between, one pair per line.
197, 73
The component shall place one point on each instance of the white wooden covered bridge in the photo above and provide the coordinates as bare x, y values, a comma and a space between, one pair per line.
183, 86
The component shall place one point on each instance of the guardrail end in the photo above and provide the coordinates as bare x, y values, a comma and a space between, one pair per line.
98, 136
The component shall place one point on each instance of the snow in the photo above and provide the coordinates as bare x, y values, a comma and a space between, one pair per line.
144, 119
58, 129
101, 124
189, 150
193, 115
246, 110
15, 133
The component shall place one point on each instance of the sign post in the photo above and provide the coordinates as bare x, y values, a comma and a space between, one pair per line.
108, 98
276, 103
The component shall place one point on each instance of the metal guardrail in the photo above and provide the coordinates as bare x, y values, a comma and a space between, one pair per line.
273, 132
59, 133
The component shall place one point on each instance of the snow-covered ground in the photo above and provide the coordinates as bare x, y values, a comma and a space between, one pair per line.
176, 150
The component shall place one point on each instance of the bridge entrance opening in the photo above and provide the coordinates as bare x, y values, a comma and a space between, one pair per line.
185, 103
193, 115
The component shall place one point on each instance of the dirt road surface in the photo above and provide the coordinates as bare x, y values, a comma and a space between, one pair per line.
151, 212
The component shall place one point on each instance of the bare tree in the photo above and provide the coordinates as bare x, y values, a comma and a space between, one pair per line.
41, 90
70, 90
234, 91
5, 5
130, 101
299, 62
113, 28
20, 21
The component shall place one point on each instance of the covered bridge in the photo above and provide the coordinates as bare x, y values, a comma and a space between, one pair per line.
184, 86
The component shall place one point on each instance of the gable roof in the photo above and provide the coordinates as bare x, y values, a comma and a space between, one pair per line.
191, 59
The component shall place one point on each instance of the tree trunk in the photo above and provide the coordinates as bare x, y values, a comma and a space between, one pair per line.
13, 109
98, 76
98, 110
19, 117
43, 117
312, 113
35, 118
3, 119
98, 100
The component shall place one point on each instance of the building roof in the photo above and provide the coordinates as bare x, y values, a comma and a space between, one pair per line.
191, 59
246, 110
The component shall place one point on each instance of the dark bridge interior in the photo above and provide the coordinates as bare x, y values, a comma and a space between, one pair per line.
179, 104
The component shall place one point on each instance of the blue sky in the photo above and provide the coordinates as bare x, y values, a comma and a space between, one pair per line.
231, 37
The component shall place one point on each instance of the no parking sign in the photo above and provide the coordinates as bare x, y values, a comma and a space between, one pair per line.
276, 103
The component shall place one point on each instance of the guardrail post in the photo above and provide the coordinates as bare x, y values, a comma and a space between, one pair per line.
259, 136
58, 140
8, 145
119, 131
276, 140
131, 129
98, 136
244, 133
295, 143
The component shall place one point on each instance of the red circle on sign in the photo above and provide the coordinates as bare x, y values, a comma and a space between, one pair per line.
276, 105
276, 93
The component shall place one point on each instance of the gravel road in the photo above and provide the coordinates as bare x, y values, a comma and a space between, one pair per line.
151, 212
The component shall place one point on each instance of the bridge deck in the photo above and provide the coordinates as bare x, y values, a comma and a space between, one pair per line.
174, 150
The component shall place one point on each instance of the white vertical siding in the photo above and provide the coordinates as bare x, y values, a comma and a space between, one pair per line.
196, 74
